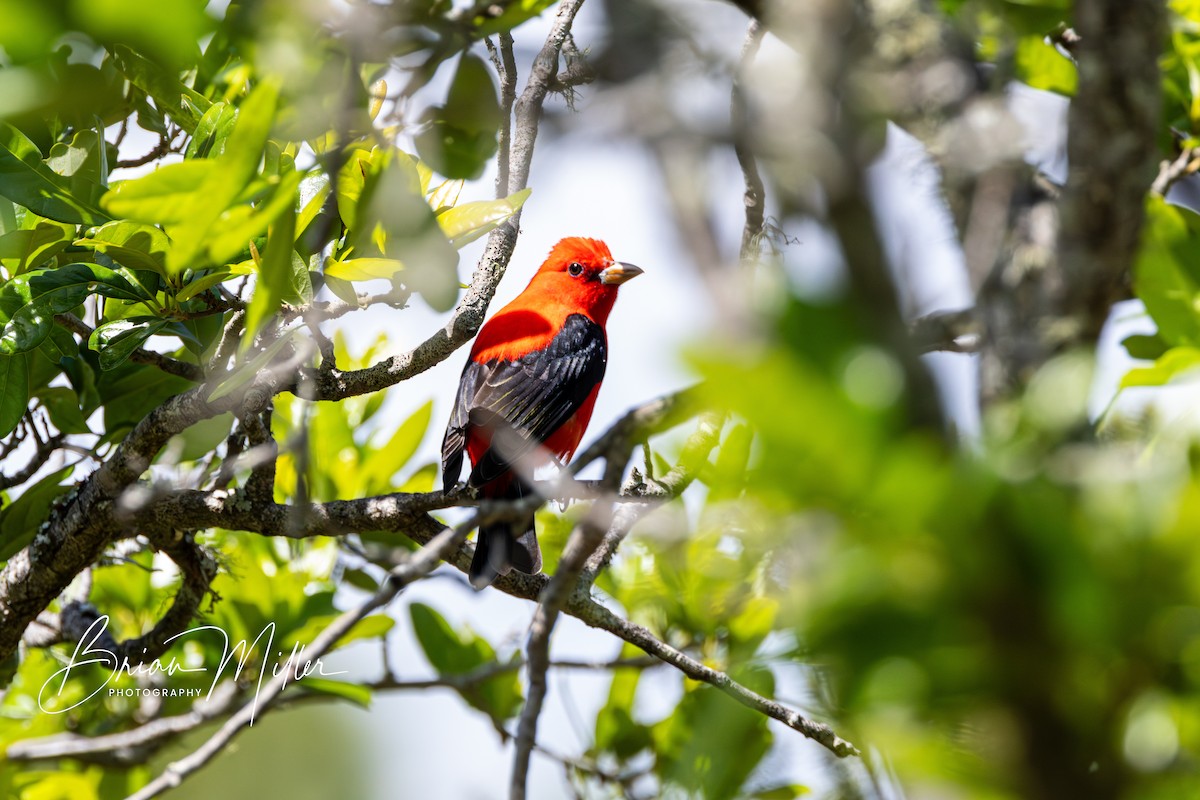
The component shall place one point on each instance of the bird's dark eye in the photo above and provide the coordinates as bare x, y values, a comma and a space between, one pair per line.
575, 269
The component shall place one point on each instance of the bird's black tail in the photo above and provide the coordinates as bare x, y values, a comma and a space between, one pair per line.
505, 545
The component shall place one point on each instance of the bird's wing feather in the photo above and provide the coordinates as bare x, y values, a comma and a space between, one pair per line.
455, 441
525, 401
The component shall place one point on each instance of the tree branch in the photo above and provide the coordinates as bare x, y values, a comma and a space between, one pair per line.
1112, 152
754, 197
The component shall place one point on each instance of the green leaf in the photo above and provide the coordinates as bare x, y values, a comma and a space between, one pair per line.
616, 730
786, 792
465, 223
1144, 347
364, 269
513, 15
169, 195
24, 250
246, 142
389, 459
34, 311
341, 288
115, 341
27, 181
351, 179
130, 244
239, 225
63, 407
198, 441
212, 131
359, 695
182, 104
20, 521
311, 209
130, 392
1039, 64
83, 162
695, 741
1167, 271
119, 283
14, 391
375, 626
454, 652
459, 138
203, 283
274, 276
395, 221
1172, 364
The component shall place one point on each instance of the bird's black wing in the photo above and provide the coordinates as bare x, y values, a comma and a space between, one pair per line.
525, 401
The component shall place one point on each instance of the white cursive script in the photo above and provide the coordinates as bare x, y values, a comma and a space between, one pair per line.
87, 652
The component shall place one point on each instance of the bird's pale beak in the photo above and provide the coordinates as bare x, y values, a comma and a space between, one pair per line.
619, 273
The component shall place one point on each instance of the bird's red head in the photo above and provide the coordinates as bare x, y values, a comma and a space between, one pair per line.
582, 273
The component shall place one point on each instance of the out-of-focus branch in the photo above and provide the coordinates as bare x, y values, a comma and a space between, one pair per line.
692, 459
1172, 171
1112, 152
583, 541
754, 198
528, 107
947, 331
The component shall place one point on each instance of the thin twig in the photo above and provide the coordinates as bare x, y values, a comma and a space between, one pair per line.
754, 197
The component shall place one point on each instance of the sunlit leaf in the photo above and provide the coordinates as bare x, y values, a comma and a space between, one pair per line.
465, 223
363, 269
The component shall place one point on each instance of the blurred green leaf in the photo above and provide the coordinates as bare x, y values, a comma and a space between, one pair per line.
1175, 362
389, 459
359, 695
182, 104
1040, 65
1144, 347
212, 131
1167, 271
274, 275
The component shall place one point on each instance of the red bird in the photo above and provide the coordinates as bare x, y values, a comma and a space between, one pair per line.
529, 388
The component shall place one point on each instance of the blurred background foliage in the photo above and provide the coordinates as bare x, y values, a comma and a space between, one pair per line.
1016, 615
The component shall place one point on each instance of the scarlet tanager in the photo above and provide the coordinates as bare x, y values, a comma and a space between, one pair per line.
527, 392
